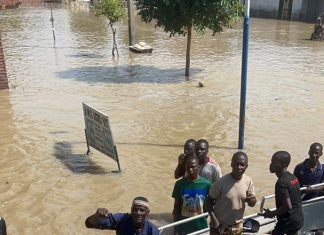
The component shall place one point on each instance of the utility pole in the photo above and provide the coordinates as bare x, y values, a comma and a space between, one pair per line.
131, 22
52, 20
245, 51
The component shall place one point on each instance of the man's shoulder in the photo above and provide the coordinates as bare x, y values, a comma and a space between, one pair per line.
300, 165
225, 179
287, 177
203, 180
246, 177
299, 170
121, 218
150, 228
210, 165
151, 225
321, 166
180, 181
213, 162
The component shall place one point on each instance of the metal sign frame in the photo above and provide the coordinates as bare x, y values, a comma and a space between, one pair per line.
98, 133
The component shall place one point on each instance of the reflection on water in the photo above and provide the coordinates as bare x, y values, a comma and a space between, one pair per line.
46, 178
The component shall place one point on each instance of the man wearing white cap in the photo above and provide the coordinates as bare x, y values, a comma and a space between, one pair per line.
124, 223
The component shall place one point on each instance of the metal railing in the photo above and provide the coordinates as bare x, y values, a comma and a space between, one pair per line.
261, 202
182, 221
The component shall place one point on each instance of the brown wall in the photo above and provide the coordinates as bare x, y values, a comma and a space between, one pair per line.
3, 72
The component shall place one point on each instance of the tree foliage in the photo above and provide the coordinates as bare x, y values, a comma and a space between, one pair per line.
181, 16
114, 11
175, 16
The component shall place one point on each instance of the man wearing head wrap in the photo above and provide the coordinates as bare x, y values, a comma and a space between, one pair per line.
124, 223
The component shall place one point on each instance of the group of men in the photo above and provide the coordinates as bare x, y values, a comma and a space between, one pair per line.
202, 187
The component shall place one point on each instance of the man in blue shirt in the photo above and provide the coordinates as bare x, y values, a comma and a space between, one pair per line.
135, 223
311, 171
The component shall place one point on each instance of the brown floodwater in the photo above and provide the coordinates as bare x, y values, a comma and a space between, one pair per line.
48, 185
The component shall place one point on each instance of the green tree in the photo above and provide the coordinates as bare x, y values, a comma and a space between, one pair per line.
183, 16
115, 11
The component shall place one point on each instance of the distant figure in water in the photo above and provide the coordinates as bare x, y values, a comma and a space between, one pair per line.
318, 33
3, 228
200, 84
124, 223
188, 150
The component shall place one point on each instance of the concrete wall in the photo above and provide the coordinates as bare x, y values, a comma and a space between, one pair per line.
302, 10
35, 2
264, 8
3, 72
296, 11
312, 9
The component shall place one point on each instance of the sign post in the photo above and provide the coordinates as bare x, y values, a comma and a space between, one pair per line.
98, 133
244, 73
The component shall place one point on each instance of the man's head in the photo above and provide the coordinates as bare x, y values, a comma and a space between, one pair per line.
192, 168
189, 147
239, 164
315, 151
139, 210
280, 160
202, 150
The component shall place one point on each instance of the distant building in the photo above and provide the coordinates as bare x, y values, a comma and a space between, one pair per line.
299, 10
9, 4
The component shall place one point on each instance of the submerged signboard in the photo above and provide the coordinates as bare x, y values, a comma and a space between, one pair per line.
98, 131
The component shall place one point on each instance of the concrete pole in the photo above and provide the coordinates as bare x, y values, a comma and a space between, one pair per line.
131, 22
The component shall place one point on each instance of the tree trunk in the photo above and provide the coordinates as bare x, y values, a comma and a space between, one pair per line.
188, 51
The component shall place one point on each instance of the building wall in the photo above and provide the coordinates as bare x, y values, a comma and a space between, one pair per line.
264, 8
296, 11
302, 10
311, 9
35, 2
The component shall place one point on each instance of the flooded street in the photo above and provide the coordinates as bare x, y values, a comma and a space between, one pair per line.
48, 186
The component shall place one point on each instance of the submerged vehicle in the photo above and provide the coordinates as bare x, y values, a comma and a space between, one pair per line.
313, 210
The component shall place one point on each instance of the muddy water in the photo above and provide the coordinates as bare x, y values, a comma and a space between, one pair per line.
48, 186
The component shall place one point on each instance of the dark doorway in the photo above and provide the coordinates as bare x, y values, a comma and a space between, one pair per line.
285, 7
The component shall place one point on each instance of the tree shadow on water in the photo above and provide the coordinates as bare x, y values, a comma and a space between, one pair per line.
127, 74
77, 163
